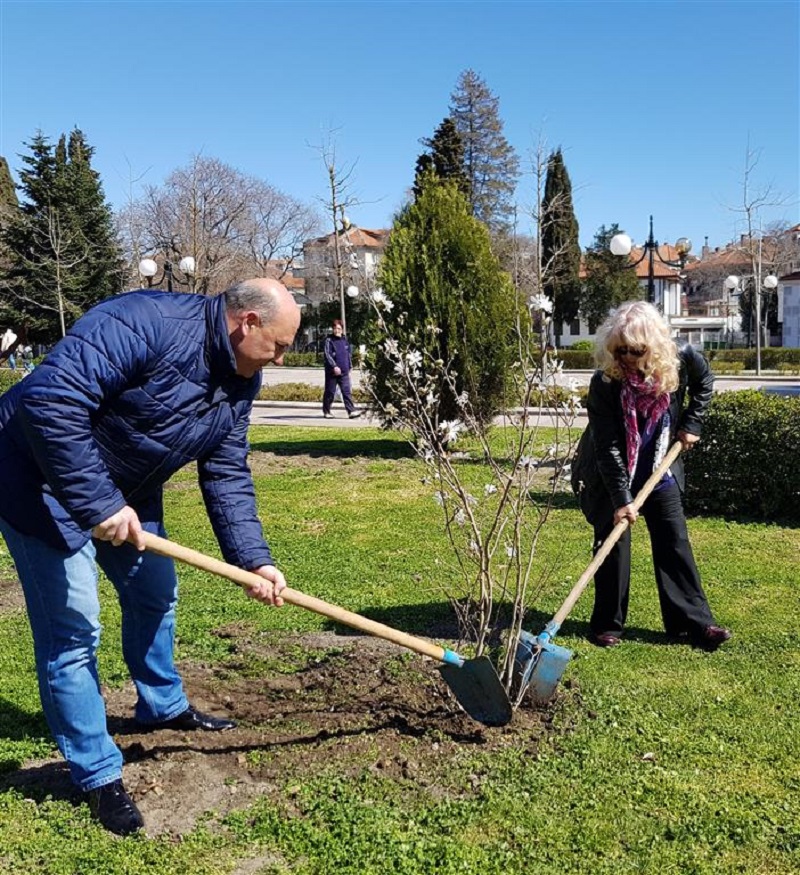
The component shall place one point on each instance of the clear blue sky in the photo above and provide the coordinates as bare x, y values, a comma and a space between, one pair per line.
653, 103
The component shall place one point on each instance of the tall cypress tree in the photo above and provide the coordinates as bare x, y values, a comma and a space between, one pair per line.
61, 249
561, 251
490, 163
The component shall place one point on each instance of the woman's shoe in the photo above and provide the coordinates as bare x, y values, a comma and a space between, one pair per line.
606, 640
712, 637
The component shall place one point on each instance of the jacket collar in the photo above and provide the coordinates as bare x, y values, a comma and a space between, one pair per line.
219, 353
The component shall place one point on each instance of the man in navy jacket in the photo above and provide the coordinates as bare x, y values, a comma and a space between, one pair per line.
143, 384
338, 363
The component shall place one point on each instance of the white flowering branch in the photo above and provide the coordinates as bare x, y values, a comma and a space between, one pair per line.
494, 525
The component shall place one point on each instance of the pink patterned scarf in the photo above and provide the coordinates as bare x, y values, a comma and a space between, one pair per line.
643, 397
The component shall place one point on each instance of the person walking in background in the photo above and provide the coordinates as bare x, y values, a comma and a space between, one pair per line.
27, 359
142, 384
338, 363
636, 412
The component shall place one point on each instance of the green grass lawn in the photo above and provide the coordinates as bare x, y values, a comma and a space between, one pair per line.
663, 759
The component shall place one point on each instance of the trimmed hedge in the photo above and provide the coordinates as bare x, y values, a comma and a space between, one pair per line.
303, 392
576, 359
303, 359
771, 357
723, 361
746, 465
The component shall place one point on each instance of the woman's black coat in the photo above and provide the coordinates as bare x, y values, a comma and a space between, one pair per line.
600, 468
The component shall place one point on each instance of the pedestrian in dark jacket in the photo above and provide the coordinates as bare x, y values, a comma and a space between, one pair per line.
143, 384
636, 411
338, 364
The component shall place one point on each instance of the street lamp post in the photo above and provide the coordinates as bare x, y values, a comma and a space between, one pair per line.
769, 283
621, 245
148, 269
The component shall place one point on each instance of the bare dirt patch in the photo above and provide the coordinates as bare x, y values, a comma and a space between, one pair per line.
11, 596
304, 705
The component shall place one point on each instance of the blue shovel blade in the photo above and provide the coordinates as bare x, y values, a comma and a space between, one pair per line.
540, 665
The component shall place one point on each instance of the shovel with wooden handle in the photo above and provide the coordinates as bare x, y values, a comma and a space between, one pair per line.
538, 662
474, 682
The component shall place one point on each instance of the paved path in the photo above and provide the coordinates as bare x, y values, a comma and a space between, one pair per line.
289, 413
305, 413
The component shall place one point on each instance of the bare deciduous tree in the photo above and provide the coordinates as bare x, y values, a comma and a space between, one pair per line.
232, 224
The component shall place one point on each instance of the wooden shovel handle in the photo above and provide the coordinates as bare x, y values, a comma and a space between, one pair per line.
249, 580
616, 534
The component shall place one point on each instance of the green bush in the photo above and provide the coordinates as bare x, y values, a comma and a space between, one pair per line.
302, 392
771, 357
451, 303
302, 359
582, 345
746, 464
577, 359
727, 368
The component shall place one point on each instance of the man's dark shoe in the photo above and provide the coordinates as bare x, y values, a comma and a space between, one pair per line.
116, 811
712, 637
606, 640
190, 720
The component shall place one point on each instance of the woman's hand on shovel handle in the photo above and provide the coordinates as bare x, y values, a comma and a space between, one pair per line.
687, 440
270, 590
626, 512
120, 527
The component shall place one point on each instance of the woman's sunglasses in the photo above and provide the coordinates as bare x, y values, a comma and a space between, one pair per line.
631, 350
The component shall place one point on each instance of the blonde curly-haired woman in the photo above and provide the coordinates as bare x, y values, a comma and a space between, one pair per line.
636, 411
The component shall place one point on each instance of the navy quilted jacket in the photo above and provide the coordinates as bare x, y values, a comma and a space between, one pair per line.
143, 384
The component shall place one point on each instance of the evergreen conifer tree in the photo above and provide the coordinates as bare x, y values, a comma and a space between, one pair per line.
608, 283
490, 163
445, 158
561, 251
9, 209
451, 301
9, 202
62, 254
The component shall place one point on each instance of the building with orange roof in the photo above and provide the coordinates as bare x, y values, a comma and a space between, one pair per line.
350, 257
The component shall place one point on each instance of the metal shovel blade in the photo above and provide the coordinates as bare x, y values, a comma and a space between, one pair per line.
478, 690
539, 665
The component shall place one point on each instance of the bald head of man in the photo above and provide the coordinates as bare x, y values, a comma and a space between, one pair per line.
263, 319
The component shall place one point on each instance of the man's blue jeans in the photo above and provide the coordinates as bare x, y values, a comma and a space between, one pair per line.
64, 610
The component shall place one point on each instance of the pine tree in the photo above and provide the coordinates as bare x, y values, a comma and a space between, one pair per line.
62, 254
561, 251
9, 210
9, 202
451, 300
100, 274
445, 158
490, 163
608, 283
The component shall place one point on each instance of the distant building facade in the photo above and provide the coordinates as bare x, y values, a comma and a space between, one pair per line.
789, 309
359, 253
